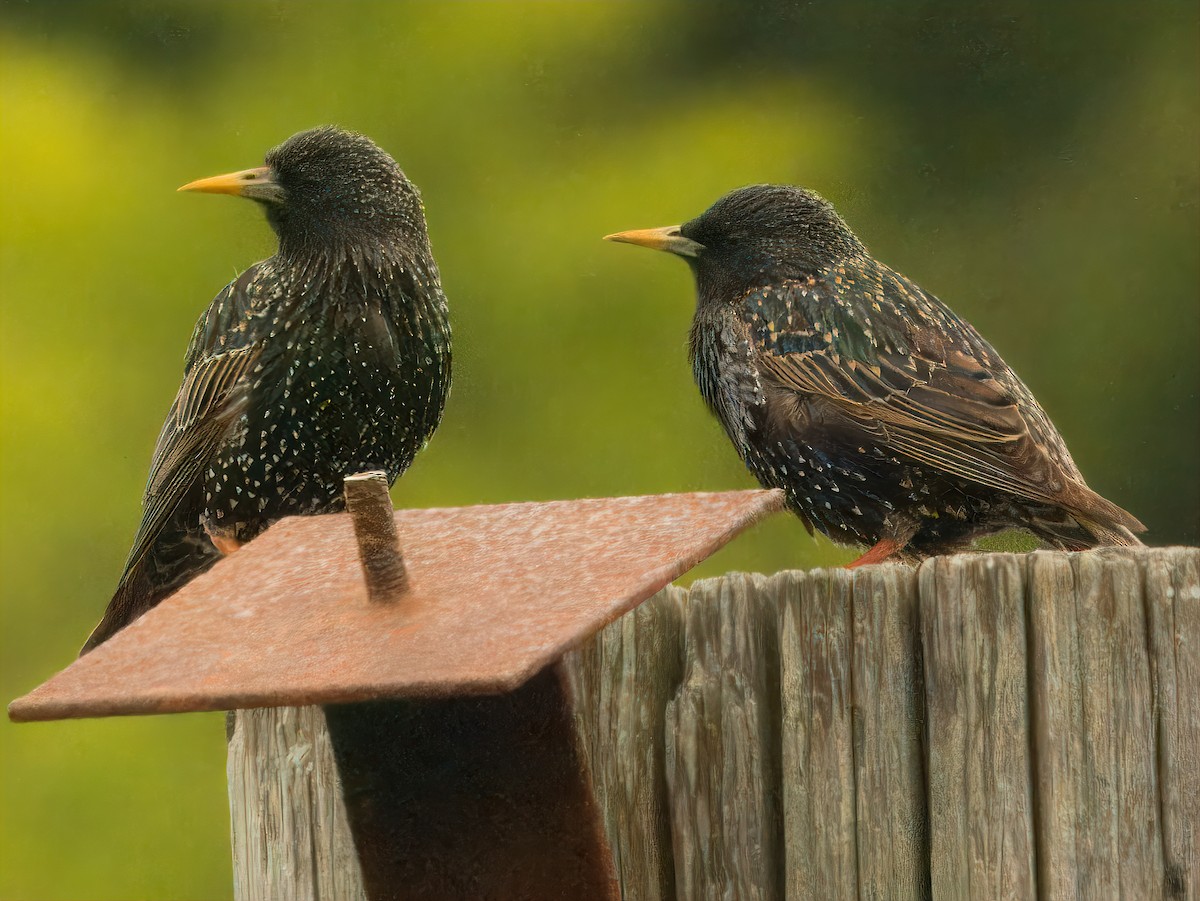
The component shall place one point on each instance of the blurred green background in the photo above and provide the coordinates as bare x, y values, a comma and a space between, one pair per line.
1035, 165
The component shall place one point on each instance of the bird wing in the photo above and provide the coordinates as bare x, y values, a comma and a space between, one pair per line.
936, 414
887, 360
209, 402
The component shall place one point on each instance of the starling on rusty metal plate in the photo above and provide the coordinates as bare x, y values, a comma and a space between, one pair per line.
330, 358
885, 418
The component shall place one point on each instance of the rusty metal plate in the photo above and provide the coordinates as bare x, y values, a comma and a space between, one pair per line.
497, 593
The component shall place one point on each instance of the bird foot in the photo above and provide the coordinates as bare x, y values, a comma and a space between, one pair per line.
222, 543
225, 545
883, 549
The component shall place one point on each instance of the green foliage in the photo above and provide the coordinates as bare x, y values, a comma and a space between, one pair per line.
1034, 165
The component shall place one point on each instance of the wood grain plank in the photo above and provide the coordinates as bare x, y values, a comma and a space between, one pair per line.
1056, 720
290, 835
973, 632
1118, 832
722, 746
889, 766
817, 734
621, 682
1172, 584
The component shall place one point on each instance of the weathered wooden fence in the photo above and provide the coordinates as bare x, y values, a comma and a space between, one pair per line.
984, 726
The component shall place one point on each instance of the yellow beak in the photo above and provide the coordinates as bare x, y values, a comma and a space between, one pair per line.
668, 239
258, 184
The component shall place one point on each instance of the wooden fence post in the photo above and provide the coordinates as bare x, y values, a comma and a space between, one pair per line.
987, 725
291, 837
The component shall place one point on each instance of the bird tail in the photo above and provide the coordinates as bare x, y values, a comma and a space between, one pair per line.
175, 558
1087, 520
1112, 534
132, 598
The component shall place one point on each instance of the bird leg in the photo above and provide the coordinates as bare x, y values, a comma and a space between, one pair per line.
899, 531
223, 543
883, 549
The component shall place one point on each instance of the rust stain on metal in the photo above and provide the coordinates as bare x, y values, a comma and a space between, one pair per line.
495, 594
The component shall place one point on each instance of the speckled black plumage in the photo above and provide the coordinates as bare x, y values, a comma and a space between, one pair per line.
329, 358
885, 418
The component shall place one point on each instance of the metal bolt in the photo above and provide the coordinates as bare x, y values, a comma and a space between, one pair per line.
371, 510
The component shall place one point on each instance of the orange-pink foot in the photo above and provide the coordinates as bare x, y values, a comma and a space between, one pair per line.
222, 543
226, 545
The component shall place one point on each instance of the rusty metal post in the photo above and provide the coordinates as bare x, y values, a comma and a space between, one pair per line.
472, 797
374, 520
450, 797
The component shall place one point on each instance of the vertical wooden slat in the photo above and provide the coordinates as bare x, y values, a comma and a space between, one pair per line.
1173, 608
1119, 835
892, 817
817, 740
722, 739
621, 683
291, 838
973, 631
1056, 721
